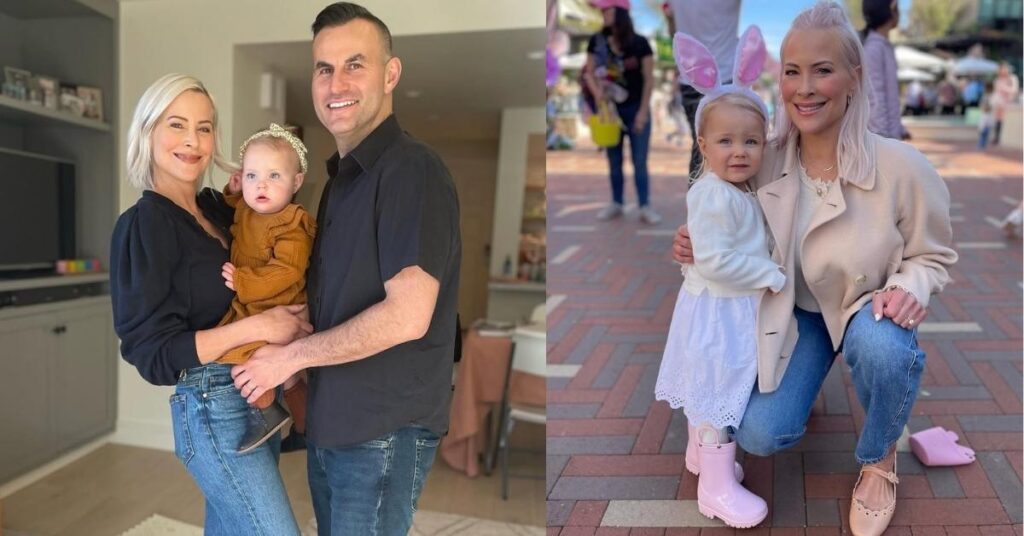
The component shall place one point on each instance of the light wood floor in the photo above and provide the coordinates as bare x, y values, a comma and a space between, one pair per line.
116, 487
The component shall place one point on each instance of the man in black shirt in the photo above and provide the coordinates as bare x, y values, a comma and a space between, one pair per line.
382, 288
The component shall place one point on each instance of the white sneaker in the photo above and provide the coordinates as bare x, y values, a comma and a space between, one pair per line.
649, 216
1012, 223
613, 210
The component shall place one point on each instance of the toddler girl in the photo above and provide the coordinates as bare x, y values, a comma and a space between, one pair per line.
272, 240
710, 360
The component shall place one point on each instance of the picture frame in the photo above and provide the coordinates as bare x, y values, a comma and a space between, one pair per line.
17, 82
49, 87
14, 75
92, 101
69, 101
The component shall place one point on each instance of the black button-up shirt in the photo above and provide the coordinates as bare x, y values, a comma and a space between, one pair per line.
165, 282
389, 204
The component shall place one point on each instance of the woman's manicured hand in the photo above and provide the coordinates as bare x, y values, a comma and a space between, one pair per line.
899, 305
682, 248
283, 324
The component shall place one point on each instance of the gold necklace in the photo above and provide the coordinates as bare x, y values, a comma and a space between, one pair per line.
801, 157
821, 187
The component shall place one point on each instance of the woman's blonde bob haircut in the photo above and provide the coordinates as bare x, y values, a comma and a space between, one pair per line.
856, 156
151, 106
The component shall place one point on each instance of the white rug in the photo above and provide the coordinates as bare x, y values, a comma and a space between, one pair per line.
425, 523
158, 525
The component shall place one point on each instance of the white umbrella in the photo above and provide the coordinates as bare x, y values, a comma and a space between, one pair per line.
915, 59
907, 74
971, 66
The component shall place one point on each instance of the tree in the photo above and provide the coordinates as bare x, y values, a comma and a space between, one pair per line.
930, 19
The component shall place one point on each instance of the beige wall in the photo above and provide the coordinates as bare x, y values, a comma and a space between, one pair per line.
246, 96
199, 37
473, 165
517, 124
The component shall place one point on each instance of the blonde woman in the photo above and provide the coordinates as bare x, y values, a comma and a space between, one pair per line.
861, 225
168, 297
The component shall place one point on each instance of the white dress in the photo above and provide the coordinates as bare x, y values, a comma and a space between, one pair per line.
710, 360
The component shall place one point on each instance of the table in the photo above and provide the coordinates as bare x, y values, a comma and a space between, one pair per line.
478, 385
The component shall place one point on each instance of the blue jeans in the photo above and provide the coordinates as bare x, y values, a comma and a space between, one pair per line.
244, 492
371, 488
638, 145
885, 363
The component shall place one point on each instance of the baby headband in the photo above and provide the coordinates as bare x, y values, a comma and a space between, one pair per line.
275, 131
697, 68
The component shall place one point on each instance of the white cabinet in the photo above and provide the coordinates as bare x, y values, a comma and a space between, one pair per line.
26, 349
57, 380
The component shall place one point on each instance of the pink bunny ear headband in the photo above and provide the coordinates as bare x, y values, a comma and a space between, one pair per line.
697, 68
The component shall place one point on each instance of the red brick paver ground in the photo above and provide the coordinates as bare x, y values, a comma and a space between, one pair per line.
615, 455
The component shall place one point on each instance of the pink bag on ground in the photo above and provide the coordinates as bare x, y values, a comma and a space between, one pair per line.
938, 447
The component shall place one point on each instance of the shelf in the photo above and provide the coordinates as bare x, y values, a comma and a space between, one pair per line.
517, 286
42, 9
53, 281
24, 113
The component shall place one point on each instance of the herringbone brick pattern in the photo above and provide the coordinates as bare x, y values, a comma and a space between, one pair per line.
615, 456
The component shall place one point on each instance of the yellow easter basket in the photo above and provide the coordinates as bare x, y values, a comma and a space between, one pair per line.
605, 127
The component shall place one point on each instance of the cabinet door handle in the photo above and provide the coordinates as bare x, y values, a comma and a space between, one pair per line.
57, 330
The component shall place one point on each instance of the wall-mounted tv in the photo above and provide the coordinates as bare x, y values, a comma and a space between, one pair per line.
37, 211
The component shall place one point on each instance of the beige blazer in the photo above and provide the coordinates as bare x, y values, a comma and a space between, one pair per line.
890, 227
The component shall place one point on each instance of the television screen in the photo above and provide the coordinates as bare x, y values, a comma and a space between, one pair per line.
37, 210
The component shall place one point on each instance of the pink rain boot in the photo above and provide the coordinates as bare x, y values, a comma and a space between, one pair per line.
693, 454
719, 494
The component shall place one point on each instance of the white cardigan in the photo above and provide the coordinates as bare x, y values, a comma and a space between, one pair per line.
730, 246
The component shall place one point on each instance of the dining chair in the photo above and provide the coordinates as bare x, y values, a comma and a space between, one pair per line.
529, 356
539, 314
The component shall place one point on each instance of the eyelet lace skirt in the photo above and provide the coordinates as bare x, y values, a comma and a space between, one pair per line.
710, 361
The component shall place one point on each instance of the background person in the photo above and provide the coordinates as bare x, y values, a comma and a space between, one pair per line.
716, 25
1005, 90
881, 17
620, 70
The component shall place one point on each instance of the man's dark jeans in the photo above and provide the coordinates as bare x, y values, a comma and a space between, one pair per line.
371, 489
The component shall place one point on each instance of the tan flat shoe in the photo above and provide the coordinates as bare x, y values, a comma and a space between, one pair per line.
865, 521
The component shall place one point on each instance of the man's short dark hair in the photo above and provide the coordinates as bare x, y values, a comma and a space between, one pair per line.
340, 13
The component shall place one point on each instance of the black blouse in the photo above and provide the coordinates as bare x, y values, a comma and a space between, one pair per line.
165, 282
625, 69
